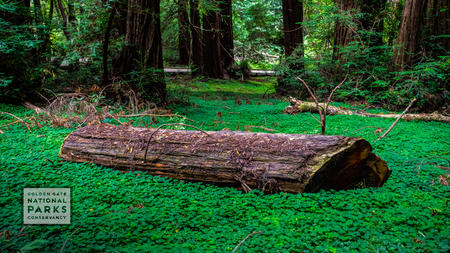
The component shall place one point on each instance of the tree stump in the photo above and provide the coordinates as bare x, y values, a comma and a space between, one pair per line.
268, 162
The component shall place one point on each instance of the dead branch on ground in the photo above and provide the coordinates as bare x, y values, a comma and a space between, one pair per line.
398, 118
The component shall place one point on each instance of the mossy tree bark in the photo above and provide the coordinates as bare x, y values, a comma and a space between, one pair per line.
268, 162
143, 47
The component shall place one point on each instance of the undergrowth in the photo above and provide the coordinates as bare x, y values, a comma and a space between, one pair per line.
136, 212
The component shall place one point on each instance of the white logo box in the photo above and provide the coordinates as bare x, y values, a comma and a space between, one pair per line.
46, 205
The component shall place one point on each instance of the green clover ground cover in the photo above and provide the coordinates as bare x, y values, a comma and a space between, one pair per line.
136, 212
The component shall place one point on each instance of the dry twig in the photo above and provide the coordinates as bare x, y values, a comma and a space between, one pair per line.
172, 124
64, 245
241, 242
398, 118
19, 119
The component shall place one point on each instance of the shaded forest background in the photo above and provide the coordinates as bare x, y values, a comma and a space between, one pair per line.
391, 50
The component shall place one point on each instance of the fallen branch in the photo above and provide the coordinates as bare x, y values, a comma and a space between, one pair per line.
299, 106
64, 245
152, 115
241, 242
398, 118
19, 119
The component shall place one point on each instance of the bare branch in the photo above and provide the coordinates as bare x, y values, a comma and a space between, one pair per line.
398, 118
19, 119
333, 91
241, 242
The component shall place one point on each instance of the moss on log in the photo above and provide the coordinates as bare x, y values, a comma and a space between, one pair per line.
268, 162
299, 106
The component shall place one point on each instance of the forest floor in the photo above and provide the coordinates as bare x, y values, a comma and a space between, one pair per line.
135, 212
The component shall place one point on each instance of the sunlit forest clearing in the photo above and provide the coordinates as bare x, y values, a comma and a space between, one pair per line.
226, 126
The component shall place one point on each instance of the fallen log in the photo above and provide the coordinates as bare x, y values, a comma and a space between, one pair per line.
298, 106
268, 162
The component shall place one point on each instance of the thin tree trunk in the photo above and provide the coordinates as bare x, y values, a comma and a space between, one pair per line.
112, 12
37, 12
71, 12
48, 29
293, 46
196, 32
226, 41
184, 37
64, 18
293, 32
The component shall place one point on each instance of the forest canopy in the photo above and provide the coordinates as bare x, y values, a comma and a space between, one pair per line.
392, 50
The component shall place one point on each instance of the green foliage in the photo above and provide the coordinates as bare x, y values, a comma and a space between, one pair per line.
136, 212
17, 42
366, 61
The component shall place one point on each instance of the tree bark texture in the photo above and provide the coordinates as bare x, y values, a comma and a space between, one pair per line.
268, 162
409, 38
64, 18
212, 49
437, 27
184, 38
293, 32
143, 46
196, 32
343, 32
105, 77
226, 41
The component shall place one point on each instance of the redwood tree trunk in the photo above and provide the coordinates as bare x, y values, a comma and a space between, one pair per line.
293, 32
227, 45
143, 47
409, 38
268, 162
343, 33
196, 32
184, 37
293, 47
212, 50
437, 27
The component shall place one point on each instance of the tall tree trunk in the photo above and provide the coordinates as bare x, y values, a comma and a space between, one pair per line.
71, 12
112, 12
293, 32
409, 38
343, 33
48, 29
437, 27
212, 50
64, 18
227, 45
143, 46
196, 32
293, 47
184, 37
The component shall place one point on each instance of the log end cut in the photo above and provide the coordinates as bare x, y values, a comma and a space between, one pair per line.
352, 166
